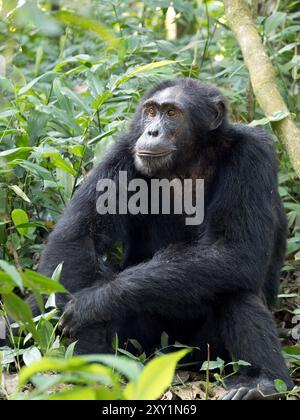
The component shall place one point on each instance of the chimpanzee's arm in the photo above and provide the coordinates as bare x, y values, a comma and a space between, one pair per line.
81, 235
72, 243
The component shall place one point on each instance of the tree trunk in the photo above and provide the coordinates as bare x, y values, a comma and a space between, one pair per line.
262, 76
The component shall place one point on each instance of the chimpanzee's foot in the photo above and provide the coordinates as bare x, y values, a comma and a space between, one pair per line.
258, 389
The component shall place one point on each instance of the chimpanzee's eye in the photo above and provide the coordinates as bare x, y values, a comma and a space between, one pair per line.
171, 112
151, 111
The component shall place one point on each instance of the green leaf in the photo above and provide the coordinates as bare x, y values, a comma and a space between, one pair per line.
75, 364
19, 217
70, 350
30, 13
60, 163
278, 116
17, 77
45, 77
9, 113
243, 363
156, 377
75, 99
20, 311
36, 123
272, 22
280, 386
57, 272
7, 284
47, 364
37, 170
77, 393
6, 85
127, 367
51, 302
13, 273
294, 350
16, 153
31, 355
148, 67
63, 100
69, 18
141, 69
38, 59
66, 181
101, 99
77, 150
212, 365
78, 58
296, 311
46, 334
41, 284
19, 192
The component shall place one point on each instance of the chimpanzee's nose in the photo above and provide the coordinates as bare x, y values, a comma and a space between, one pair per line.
153, 133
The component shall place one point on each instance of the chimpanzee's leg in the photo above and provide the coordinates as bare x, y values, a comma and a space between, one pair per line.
92, 340
249, 334
98, 338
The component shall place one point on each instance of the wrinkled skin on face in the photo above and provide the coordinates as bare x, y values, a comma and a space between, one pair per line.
170, 137
166, 124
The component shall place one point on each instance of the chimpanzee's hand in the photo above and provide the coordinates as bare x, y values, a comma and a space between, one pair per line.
84, 308
69, 323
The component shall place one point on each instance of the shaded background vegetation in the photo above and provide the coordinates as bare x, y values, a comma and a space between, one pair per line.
71, 73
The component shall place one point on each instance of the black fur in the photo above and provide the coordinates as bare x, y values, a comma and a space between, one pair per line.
209, 283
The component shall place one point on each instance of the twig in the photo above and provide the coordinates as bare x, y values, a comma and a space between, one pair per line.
14, 253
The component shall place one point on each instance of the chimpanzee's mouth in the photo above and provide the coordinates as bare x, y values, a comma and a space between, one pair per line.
146, 153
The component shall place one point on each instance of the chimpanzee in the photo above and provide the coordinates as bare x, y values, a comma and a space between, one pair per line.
212, 282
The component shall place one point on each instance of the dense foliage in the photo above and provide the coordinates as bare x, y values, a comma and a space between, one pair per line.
71, 74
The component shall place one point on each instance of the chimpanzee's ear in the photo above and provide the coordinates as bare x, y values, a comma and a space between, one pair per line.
219, 111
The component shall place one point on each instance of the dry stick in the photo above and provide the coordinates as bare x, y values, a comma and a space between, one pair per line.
250, 102
14, 253
262, 77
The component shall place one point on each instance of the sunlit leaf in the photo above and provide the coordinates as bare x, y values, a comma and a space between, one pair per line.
20, 311
20, 217
156, 377
31, 355
280, 386
12, 272
278, 116
7, 284
45, 76
59, 162
19, 192
70, 18
41, 284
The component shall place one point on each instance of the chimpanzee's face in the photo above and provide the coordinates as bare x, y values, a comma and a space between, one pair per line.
165, 124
